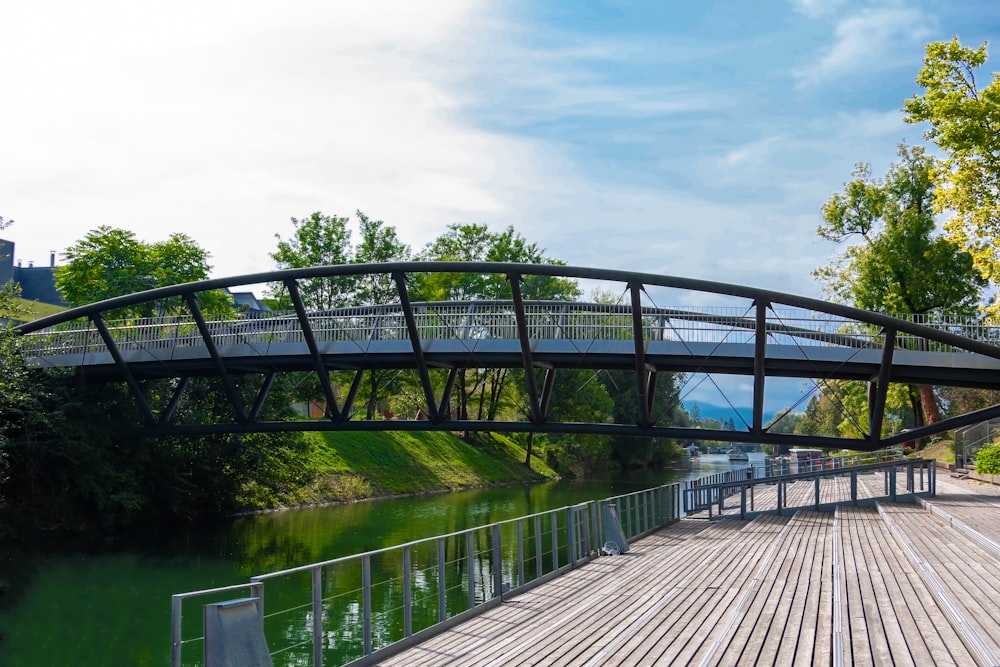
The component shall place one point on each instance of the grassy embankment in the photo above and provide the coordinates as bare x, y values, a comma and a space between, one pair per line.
353, 466
941, 450
34, 310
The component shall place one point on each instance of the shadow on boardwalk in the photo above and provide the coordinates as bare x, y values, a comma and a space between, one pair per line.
887, 584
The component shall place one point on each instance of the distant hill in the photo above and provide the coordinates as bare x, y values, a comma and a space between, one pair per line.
724, 412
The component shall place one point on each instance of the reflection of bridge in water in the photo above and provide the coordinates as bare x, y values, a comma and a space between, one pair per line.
757, 333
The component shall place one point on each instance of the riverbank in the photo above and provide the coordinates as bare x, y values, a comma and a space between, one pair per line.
357, 466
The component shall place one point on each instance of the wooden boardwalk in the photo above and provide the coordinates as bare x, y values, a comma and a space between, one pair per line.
888, 584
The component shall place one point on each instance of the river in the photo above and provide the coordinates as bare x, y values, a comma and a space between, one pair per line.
107, 601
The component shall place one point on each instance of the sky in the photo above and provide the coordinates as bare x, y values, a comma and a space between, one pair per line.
696, 139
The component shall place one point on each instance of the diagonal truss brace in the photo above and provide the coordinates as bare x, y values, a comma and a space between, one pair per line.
307, 334
759, 360
213, 352
878, 390
535, 412
645, 377
167, 416
123, 368
418, 351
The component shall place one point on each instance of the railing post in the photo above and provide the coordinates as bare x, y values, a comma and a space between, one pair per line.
892, 483
743, 502
497, 563
317, 614
442, 582
407, 594
176, 605
854, 487
366, 601
818, 477
570, 536
470, 569
538, 546
520, 553
555, 542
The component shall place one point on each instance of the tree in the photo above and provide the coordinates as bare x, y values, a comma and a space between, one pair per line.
111, 262
325, 240
965, 123
900, 266
476, 243
577, 396
379, 243
319, 240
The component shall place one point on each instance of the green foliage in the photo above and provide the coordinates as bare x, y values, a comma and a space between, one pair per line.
964, 118
111, 262
12, 306
379, 243
319, 240
475, 243
988, 460
841, 410
623, 390
901, 266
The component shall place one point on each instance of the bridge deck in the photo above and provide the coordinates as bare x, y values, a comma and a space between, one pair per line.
892, 584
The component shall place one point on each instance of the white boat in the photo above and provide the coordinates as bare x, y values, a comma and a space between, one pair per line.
737, 455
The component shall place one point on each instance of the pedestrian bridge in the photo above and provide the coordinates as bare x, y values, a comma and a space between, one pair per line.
656, 324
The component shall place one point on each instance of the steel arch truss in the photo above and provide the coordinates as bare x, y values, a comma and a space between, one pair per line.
764, 335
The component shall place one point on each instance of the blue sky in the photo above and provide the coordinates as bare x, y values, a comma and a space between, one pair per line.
683, 138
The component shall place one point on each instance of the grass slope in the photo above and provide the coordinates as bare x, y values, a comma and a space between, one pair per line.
35, 310
352, 466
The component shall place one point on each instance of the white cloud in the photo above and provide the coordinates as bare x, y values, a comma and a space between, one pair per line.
222, 120
752, 154
815, 8
861, 42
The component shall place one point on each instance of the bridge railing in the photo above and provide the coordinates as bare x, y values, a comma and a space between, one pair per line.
493, 320
363, 607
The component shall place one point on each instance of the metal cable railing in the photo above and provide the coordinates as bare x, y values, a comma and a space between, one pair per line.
494, 321
358, 608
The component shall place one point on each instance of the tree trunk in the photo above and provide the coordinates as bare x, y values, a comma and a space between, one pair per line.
932, 414
527, 456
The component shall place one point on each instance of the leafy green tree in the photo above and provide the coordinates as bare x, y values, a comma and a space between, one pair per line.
900, 266
378, 244
111, 262
577, 396
964, 120
623, 390
325, 240
476, 243
319, 240
823, 416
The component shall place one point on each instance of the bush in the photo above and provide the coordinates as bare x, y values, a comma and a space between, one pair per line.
988, 460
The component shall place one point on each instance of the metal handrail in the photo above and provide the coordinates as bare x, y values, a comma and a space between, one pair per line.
495, 321
708, 496
434, 574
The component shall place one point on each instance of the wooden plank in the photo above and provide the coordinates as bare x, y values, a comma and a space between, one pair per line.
937, 546
724, 592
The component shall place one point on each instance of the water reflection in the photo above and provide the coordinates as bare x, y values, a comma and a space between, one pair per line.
109, 603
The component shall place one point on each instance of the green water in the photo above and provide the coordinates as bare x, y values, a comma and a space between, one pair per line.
108, 602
